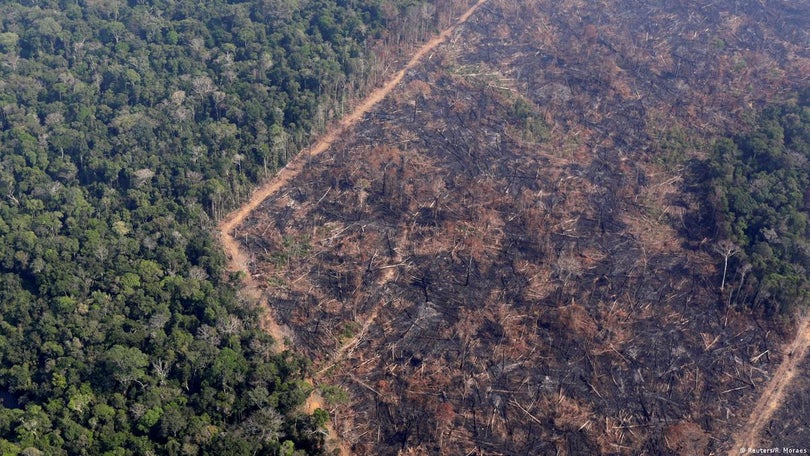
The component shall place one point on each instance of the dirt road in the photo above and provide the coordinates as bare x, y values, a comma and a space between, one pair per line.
772, 397
240, 260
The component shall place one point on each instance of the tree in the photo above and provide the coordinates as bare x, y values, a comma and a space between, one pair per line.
126, 364
727, 249
126, 130
757, 199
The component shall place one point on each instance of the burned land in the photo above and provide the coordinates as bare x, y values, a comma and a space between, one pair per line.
792, 428
507, 255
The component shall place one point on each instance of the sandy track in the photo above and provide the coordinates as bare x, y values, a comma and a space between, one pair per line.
240, 260
772, 397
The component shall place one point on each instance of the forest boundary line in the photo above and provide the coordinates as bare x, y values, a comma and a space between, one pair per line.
239, 260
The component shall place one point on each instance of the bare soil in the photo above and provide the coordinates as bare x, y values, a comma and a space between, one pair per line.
773, 397
790, 423
503, 256
239, 259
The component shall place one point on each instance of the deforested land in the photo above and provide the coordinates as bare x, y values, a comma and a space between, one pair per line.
567, 231
399, 227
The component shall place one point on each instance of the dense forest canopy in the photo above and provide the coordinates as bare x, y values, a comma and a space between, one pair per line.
127, 128
758, 195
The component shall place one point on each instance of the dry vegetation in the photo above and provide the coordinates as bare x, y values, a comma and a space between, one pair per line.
791, 426
501, 259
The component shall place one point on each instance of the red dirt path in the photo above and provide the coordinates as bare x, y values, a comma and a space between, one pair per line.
240, 260
773, 396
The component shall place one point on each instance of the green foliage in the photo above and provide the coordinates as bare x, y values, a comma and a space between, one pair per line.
348, 330
126, 129
291, 248
334, 394
532, 128
758, 194
673, 146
